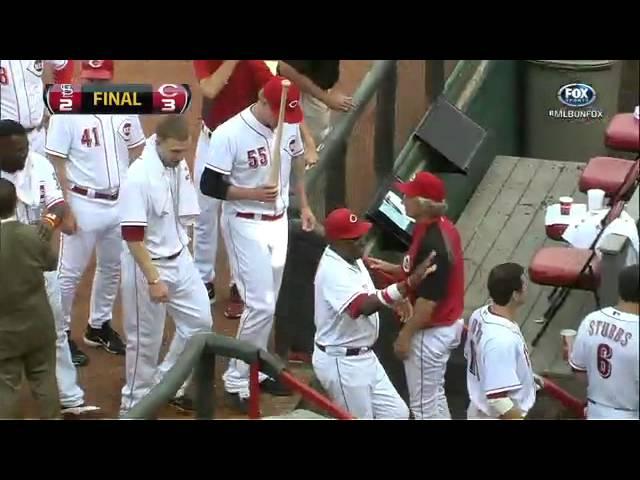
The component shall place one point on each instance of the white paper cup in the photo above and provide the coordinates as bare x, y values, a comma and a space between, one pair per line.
568, 336
565, 205
595, 199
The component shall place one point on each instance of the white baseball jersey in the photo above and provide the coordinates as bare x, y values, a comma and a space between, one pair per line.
498, 362
21, 90
37, 188
337, 284
606, 348
159, 198
241, 149
97, 147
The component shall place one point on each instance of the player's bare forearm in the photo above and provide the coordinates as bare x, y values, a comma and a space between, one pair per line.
302, 81
307, 138
61, 172
240, 193
143, 259
301, 191
214, 83
421, 317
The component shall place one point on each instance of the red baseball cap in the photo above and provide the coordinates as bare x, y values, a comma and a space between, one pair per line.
343, 224
425, 185
272, 91
97, 69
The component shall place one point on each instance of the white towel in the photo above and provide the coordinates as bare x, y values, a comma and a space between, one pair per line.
626, 227
553, 215
164, 179
636, 113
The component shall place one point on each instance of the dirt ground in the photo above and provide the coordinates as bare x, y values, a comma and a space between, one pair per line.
103, 377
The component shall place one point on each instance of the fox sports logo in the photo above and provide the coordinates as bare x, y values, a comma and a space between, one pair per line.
577, 95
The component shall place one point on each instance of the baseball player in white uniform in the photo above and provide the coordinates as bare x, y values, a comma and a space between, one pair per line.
347, 323
39, 193
606, 350
254, 216
92, 154
21, 94
500, 379
158, 203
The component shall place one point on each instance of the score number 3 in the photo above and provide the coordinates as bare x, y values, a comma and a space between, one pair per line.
258, 158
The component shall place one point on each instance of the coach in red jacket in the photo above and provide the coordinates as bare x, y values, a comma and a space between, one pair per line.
434, 329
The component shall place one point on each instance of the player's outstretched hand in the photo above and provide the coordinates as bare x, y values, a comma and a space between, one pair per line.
308, 219
266, 193
159, 292
425, 268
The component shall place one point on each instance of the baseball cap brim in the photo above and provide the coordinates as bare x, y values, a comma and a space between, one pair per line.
96, 74
359, 230
407, 188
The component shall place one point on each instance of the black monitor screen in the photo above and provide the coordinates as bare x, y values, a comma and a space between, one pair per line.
389, 215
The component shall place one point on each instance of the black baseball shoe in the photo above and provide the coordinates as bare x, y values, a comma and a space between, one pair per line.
275, 388
105, 337
211, 291
183, 403
236, 403
78, 357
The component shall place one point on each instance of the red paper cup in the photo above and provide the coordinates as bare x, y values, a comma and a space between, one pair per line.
565, 205
568, 336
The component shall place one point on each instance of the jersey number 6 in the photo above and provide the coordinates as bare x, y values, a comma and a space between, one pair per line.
258, 158
605, 352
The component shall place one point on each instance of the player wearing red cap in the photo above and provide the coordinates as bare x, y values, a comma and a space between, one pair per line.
435, 328
254, 214
347, 322
228, 87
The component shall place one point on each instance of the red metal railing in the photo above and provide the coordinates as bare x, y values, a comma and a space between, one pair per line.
293, 383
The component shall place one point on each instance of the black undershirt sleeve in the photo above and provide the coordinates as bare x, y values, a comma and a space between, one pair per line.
213, 184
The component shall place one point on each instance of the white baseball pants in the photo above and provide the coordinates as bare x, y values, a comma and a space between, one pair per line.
360, 385
37, 140
144, 320
597, 411
99, 229
425, 369
205, 230
71, 395
257, 252
317, 117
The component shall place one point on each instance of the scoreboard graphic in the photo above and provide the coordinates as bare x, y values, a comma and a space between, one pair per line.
118, 99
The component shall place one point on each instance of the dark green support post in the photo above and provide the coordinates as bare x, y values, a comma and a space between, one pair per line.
336, 178
203, 375
434, 78
385, 125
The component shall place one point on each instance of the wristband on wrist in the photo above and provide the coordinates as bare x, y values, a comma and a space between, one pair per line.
53, 219
48, 221
389, 295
